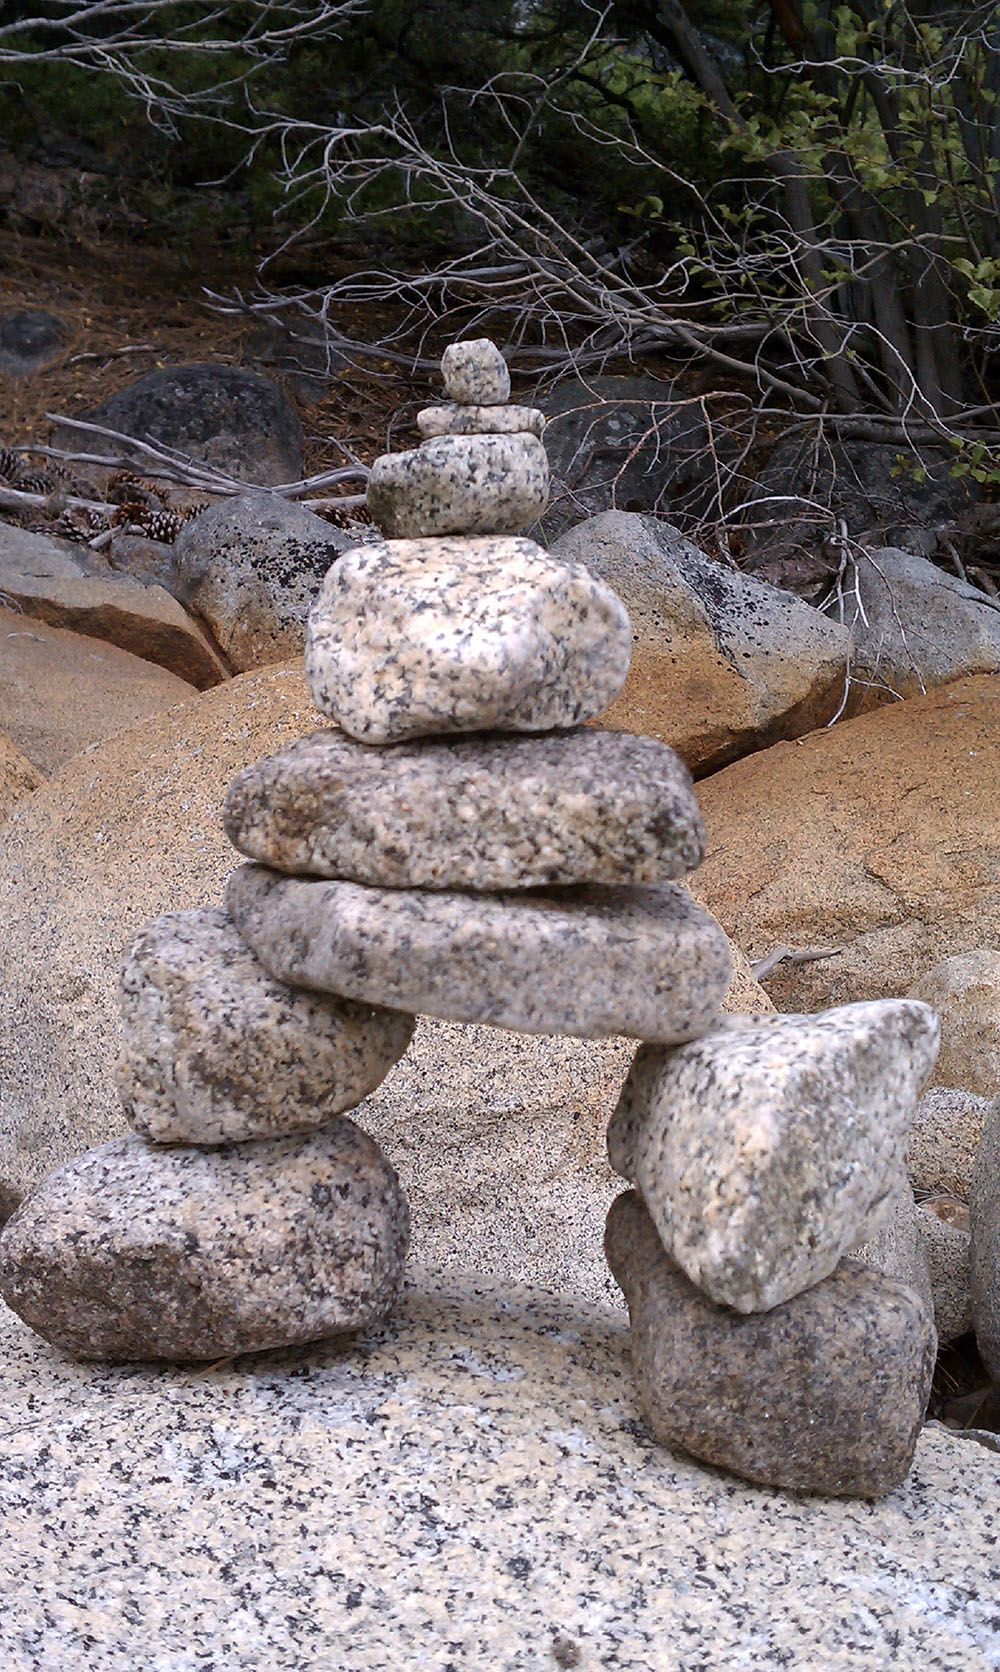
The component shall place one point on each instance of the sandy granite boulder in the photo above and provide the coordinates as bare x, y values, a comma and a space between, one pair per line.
453, 419
941, 1148
899, 1249
415, 637
490, 812
214, 1050
913, 626
943, 1224
984, 1250
722, 664
475, 373
251, 567
825, 1393
493, 1484
41, 580
138, 1251
646, 962
876, 839
60, 691
965, 991
768, 1148
18, 777
460, 484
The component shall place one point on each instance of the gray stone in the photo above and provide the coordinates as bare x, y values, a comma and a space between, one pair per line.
913, 625
722, 664
134, 1251
965, 991
944, 1137
214, 1050
416, 637
984, 1248
251, 567
30, 338
475, 373
898, 1248
647, 962
460, 484
452, 419
236, 421
825, 1393
944, 1230
474, 1472
770, 1147
489, 812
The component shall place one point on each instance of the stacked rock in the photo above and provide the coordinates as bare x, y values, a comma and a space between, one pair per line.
761, 1155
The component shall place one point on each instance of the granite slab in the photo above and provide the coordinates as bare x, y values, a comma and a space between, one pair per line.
454, 419
460, 484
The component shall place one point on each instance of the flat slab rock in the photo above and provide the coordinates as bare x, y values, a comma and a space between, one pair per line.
488, 812
133, 1251
770, 1147
453, 419
421, 637
460, 484
825, 1393
214, 1050
646, 962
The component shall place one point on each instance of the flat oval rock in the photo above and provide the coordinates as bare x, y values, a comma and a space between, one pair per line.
453, 419
460, 484
215, 1051
424, 637
475, 373
134, 1251
589, 962
488, 812
770, 1147
826, 1393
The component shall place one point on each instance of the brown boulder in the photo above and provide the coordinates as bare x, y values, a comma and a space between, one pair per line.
60, 691
877, 837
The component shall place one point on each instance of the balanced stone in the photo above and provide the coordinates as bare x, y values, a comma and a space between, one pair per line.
215, 1050
645, 962
487, 812
452, 419
475, 373
460, 484
416, 637
134, 1251
769, 1148
826, 1393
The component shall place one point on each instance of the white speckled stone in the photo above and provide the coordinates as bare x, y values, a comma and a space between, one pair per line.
452, 419
475, 373
134, 1251
772, 1146
646, 962
490, 812
460, 484
825, 1393
417, 637
470, 1484
984, 1250
215, 1050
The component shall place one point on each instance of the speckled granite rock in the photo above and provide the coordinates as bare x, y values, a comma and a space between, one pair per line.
437, 636
646, 962
898, 1249
944, 1137
984, 1249
944, 1229
469, 1482
453, 419
965, 991
139, 1252
475, 373
767, 1149
489, 812
215, 1050
825, 1393
460, 484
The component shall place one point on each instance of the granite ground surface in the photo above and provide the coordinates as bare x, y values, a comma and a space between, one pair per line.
467, 1486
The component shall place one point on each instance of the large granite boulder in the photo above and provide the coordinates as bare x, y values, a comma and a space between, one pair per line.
876, 839
721, 664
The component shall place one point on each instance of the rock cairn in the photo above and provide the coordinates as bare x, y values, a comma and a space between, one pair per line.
458, 843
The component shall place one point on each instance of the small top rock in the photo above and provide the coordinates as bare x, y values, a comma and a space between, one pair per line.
475, 373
